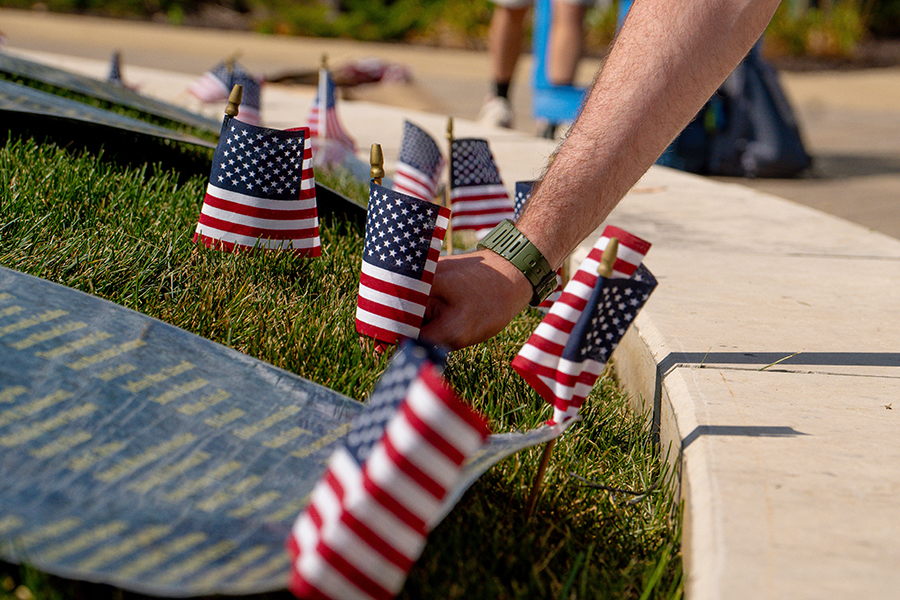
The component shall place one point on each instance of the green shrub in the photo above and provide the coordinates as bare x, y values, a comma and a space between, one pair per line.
831, 32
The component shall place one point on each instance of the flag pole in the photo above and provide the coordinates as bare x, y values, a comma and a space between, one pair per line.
449, 236
376, 162
234, 100
605, 270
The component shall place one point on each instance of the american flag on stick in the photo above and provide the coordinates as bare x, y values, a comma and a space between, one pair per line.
261, 191
323, 120
479, 200
568, 350
368, 517
216, 84
419, 164
523, 193
404, 236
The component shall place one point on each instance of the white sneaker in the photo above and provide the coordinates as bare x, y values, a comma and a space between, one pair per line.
496, 112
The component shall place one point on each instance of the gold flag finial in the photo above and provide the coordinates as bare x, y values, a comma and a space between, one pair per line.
376, 160
234, 100
324, 60
608, 261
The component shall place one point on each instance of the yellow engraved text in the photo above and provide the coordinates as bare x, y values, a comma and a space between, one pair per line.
253, 506
152, 558
288, 511
89, 459
35, 406
132, 464
154, 378
232, 567
198, 560
168, 473
10, 310
9, 394
49, 532
107, 354
245, 433
114, 372
207, 480
84, 541
331, 436
55, 422
180, 390
31, 322
82, 342
225, 419
124, 548
61, 444
220, 498
284, 437
43, 336
10, 523
204, 403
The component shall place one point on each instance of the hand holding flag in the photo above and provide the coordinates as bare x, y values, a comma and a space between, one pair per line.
404, 236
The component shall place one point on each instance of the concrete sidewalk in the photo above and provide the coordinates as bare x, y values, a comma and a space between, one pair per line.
769, 354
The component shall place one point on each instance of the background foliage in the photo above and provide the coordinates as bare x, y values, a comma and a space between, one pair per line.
817, 28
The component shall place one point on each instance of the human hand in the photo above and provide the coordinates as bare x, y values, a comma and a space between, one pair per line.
473, 297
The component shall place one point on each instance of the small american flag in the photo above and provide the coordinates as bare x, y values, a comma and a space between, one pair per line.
382, 492
404, 236
261, 191
568, 350
419, 164
323, 120
523, 193
216, 84
478, 199
115, 68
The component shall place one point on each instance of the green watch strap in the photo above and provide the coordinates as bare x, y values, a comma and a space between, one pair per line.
511, 244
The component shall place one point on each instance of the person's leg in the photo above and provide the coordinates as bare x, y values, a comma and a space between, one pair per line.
505, 45
505, 41
566, 42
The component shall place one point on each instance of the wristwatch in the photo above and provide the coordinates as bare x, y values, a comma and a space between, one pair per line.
511, 244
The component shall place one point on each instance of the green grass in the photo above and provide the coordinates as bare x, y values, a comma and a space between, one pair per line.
124, 233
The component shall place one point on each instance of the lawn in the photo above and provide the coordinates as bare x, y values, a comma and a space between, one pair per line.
104, 223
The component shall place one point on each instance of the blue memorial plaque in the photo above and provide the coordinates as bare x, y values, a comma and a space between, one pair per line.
104, 90
137, 454
16, 98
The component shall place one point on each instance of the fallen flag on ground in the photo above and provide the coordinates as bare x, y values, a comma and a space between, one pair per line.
478, 199
419, 163
568, 350
261, 191
404, 236
384, 489
216, 84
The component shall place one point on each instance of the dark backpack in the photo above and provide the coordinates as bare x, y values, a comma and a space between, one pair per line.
747, 129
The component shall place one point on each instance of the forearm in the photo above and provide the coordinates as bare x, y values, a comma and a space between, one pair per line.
667, 61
